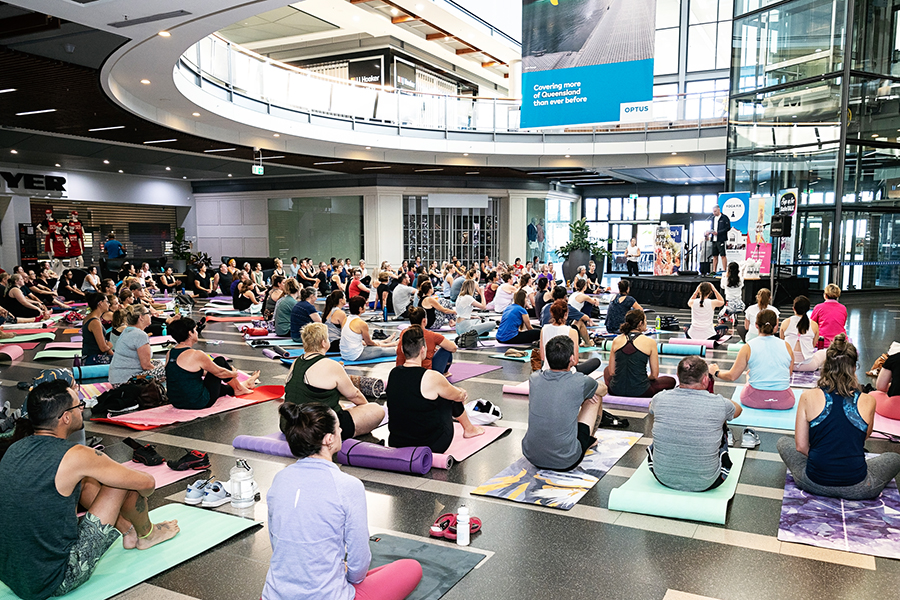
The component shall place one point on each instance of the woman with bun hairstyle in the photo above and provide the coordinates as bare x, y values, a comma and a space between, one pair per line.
802, 334
826, 456
630, 354
317, 519
703, 307
559, 312
763, 302
770, 361
830, 316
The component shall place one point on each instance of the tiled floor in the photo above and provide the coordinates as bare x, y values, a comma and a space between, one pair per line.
533, 552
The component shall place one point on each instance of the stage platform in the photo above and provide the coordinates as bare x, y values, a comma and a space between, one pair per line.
676, 290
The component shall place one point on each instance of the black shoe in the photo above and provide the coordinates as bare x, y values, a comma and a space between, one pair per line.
194, 459
201, 325
608, 420
379, 334
144, 454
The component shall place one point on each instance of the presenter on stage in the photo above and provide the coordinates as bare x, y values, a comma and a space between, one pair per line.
633, 258
720, 224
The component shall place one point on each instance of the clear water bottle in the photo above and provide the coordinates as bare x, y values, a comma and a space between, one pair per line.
462, 526
242, 493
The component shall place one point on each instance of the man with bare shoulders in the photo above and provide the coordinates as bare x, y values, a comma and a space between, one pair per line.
45, 550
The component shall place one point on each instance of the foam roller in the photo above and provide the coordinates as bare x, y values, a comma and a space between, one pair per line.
735, 347
281, 352
269, 353
91, 372
682, 350
354, 453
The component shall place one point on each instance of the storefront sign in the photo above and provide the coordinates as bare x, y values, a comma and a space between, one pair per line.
366, 71
20, 182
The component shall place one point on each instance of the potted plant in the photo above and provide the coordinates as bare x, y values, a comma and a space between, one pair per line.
181, 250
580, 249
201, 257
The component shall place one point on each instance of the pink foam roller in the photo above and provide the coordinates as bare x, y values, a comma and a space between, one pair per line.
689, 342
520, 389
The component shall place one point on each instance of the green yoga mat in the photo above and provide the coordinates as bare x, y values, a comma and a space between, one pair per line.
120, 569
644, 495
63, 353
735, 347
32, 337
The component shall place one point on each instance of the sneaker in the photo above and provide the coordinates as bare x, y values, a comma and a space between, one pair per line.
197, 491
749, 439
192, 460
609, 420
730, 438
215, 495
146, 454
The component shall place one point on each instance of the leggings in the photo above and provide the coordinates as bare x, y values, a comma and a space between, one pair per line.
441, 360
215, 386
465, 325
881, 470
632, 267
370, 352
663, 382
886, 406
767, 399
588, 366
393, 581
524, 337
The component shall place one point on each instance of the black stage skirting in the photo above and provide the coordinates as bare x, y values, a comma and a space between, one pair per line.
675, 291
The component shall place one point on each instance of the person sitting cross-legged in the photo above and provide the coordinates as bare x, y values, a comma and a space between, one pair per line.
562, 410
45, 549
438, 349
422, 404
690, 438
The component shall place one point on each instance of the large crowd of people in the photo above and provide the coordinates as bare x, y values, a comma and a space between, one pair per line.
518, 304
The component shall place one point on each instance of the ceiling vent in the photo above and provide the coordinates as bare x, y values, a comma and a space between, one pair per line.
150, 19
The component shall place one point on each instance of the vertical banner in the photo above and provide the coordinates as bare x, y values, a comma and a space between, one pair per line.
734, 205
668, 248
586, 61
759, 240
788, 200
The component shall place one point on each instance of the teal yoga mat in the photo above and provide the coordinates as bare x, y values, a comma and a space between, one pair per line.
120, 569
33, 337
773, 419
64, 353
681, 349
352, 363
526, 358
644, 495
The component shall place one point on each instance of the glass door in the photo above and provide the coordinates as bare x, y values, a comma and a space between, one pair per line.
814, 240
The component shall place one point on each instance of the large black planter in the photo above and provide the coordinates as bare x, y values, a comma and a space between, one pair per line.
577, 258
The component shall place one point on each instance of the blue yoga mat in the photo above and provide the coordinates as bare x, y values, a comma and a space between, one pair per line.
91, 371
773, 419
352, 363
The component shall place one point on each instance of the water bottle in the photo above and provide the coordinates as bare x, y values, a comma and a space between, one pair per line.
166, 293
242, 494
462, 526
165, 329
657, 322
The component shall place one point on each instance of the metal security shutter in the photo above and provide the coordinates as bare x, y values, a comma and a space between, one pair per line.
144, 229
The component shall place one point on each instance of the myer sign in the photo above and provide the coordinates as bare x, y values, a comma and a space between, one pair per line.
630, 112
30, 182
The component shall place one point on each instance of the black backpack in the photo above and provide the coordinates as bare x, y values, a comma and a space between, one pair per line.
468, 339
184, 300
136, 394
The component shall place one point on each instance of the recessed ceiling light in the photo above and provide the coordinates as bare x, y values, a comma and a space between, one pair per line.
356, 17
229, 174
58, 165
165, 34
465, 153
368, 147
105, 162
196, 114
332, 162
168, 168
427, 170
473, 173
395, 12
160, 141
874, 135
674, 154
7, 90
184, 177
13, 151
447, 38
107, 128
220, 150
276, 135
36, 112
121, 171
145, 81
568, 156
374, 168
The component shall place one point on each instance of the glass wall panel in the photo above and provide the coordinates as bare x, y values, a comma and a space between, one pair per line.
814, 239
327, 226
872, 175
701, 47
668, 13
874, 109
812, 170
876, 47
795, 41
665, 60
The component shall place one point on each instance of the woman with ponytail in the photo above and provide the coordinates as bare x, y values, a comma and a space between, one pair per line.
317, 519
763, 299
826, 456
770, 361
629, 356
703, 309
801, 334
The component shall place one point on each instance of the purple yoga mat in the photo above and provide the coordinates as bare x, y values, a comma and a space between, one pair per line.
461, 371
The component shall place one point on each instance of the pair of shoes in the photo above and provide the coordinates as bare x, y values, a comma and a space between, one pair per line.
194, 459
608, 420
146, 454
730, 438
208, 493
749, 439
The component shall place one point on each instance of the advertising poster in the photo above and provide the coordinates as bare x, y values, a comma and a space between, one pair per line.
759, 240
669, 245
788, 200
734, 205
586, 61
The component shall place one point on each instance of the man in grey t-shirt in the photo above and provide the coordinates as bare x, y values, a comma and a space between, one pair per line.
690, 446
402, 296
562, 410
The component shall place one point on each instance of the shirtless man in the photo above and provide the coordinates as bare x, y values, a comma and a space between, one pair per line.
45, 549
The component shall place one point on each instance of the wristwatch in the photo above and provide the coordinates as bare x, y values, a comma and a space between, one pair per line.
716, 374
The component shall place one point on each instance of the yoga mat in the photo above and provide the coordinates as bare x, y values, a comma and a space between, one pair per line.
87, 391
462, 371
91, 371
773, 419
494, 343
626, 401
461, 448
71, 331
681, 350
261, 342
167, 415
229, 313
214, 319
156, 342
39, 326
523, 482
22, 345
76, 338
689, 342
735, 347
890, 426
31, 337
120, 569
54, 351
443, 565
161, 473
268, 353
644, 495
526, 358
860, 526
519, 388
27, 331
804, 379
353, 363
10, 352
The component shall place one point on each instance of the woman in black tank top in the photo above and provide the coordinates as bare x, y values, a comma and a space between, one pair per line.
626, 375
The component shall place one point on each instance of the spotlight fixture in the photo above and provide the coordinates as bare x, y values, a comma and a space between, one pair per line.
196, 114
145, 81
105, 162
165, 34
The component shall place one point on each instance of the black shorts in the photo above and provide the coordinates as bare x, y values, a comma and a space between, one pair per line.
718, 249
586, 440
348, 427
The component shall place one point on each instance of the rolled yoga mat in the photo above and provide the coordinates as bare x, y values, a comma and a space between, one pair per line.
91, 371
643, 494
9, 352
681, 350
735, 347
690, 342
269, 353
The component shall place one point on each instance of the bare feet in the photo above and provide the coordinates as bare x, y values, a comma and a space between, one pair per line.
245, 387
161, 532
129, 539
472, 431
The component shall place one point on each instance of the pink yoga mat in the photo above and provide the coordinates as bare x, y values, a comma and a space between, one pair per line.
519, 388
10, 352
22, 345
461, 448
461, 371
886, 425
689, 342
161, 473
63, 346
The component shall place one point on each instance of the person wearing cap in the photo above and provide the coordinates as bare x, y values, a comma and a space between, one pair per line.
113, 247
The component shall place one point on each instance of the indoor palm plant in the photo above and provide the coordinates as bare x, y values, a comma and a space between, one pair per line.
580, 249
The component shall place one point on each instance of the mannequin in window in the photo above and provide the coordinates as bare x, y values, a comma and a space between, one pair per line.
76, 241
